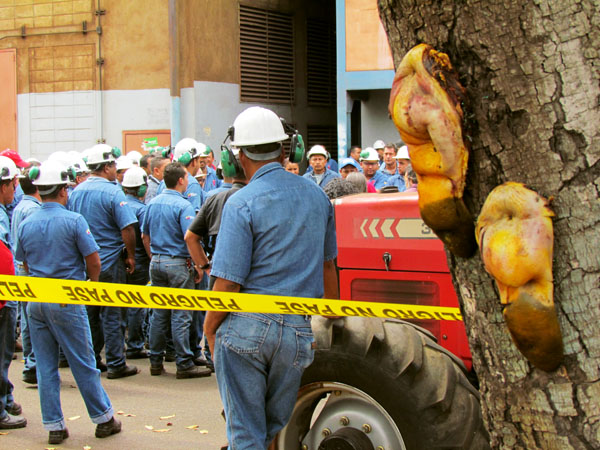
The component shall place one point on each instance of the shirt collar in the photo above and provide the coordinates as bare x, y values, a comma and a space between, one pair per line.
173, 192
153, 178
32, 198
266, 169
52, 205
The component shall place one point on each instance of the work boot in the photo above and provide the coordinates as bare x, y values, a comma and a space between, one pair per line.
157, 369
137, 354
30, 376
122, 372
200, 361
192, 372
14, 409
113, 426
11, 422
56, 437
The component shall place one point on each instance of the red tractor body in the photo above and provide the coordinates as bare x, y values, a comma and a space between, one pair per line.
387, 254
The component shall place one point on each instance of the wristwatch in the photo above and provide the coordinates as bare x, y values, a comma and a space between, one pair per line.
205, 266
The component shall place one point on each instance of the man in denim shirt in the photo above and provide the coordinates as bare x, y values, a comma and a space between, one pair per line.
29, 204
166, 220
102, 202
277, 237
320, 174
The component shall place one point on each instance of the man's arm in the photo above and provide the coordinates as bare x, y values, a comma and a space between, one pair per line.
330, 280
213, 319
192, 240
92, 263
128, 235
146, 242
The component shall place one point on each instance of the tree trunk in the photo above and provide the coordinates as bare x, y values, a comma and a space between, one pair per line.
530, 68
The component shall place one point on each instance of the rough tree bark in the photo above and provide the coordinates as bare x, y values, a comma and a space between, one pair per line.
531, 70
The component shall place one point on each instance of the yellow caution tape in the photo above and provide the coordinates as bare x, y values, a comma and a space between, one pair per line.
50, 290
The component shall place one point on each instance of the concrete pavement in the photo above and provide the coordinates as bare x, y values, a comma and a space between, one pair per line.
192, 403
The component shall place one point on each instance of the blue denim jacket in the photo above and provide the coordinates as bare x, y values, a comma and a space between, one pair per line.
194, 193
5, 227
275, 235
11, 206
212, 181
327, 177
105, 209
26, 207
167, 218
379, 179
54, 243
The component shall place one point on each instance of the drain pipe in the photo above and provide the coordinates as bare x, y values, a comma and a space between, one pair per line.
100, 62
174, 74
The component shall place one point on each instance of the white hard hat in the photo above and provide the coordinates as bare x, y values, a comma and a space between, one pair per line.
135, 177
79, 166
61, 157
33, 161
102, 153
317, 150
369, 154
8, 169
256, 126
186, 145
402, 153
135, 156
124, 163
378, 144
203, 150
51, 173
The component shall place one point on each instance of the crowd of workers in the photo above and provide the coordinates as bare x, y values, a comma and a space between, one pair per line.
169, 219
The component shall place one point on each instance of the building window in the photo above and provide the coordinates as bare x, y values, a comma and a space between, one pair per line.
266, 56
321, 62
325, 135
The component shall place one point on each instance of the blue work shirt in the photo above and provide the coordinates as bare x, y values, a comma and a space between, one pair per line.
167, 218
396, 180
193, 194
11, 206
153, 184
328, 175
26, 207
212, 181
54, 242
223, 187
275, 235
139, 209
5, 227
379, 180
105, 208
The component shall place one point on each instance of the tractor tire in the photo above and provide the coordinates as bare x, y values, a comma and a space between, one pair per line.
382, 384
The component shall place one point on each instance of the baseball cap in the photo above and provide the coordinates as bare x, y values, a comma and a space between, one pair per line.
15, 157
349, 162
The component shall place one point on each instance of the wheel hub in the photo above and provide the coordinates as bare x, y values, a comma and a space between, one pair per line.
347, 438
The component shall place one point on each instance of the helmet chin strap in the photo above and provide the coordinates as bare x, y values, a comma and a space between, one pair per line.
262, 156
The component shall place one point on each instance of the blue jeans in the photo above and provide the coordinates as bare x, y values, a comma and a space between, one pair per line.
136, 316
52, 325
28, 354
113, 320
166, 271
8, 321
259, 361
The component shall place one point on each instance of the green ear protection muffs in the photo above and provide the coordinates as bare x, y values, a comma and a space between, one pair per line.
187, 157
167, 152
34, 173
296, 143
230, 164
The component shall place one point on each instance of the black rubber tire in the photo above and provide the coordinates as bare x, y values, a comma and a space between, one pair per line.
421, 385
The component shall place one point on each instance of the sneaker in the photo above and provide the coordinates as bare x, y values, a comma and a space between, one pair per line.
30, 376
192, 372
157, 369
122, 372
137, 354
11, 422
15, 409
56, 437
113, 426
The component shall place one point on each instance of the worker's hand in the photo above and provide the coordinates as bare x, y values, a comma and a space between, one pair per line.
130, 264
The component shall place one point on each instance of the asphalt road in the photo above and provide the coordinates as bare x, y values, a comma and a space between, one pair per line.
141, 401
